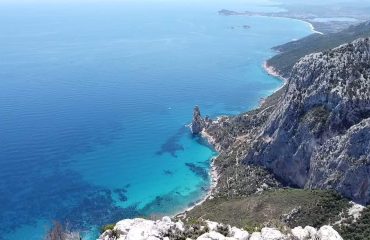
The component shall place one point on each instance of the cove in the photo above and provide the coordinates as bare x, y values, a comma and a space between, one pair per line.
96, 98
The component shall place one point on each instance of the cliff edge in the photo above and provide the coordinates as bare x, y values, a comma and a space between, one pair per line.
313, 133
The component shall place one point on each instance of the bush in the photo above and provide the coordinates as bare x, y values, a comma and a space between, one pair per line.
107, 227
359, 230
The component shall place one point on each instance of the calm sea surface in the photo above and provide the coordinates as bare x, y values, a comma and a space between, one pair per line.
94, 99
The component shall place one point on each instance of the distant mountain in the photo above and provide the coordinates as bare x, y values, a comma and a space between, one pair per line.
291, 52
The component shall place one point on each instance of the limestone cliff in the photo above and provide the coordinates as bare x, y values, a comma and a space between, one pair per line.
198, 123
315, 132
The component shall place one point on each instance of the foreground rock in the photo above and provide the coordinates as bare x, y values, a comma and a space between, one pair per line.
166, 229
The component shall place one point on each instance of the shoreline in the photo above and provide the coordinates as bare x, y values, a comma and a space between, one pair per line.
260, 14
213, 174
311, 26
269, 70
213, 179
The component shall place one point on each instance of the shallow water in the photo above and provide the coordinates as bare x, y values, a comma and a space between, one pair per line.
95, 98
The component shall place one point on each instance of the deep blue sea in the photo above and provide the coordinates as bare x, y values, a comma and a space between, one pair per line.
95, 97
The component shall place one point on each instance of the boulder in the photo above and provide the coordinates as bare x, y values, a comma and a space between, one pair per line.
328, 233
211, 236
142, 230
300, 233
271, 234
239, 234
256, 236
311, 230
212, 226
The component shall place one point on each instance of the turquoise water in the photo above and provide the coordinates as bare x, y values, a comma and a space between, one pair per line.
95, 98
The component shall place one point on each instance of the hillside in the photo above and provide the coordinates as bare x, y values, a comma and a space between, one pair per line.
314, 133
291, 52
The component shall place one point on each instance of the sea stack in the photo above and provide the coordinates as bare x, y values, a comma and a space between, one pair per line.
198, 122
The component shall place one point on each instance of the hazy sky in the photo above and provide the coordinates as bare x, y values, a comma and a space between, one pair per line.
102, 1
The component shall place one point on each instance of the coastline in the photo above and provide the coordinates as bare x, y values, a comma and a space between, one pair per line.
214, 176
311, 26
306, 21
270, 70
209, 195
249, 14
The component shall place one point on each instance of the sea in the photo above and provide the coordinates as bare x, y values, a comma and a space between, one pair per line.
96, 98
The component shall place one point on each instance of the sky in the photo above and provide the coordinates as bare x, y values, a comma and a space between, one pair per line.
102, 1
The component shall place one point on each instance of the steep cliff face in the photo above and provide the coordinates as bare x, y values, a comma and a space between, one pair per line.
345, 165
198, 122
316, 133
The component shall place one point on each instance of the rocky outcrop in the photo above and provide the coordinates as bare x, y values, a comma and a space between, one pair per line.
198, 123
166, 229
316, 132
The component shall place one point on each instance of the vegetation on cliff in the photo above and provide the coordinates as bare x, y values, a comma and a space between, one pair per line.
283, 208
290, 53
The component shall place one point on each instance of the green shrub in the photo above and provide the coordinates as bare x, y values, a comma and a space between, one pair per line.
359, 230
107, 227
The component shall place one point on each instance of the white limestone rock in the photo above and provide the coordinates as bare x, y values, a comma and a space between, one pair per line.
306, 233
355, 210
180, 226
212, 226
300, 233
271, 234
328, 233
256, 236
142, 229
211, 236
155, 238
239, 234
311, 230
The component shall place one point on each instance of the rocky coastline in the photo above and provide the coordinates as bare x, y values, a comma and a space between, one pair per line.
307, 132
273, 72
240, 143
249, 141
209, 195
